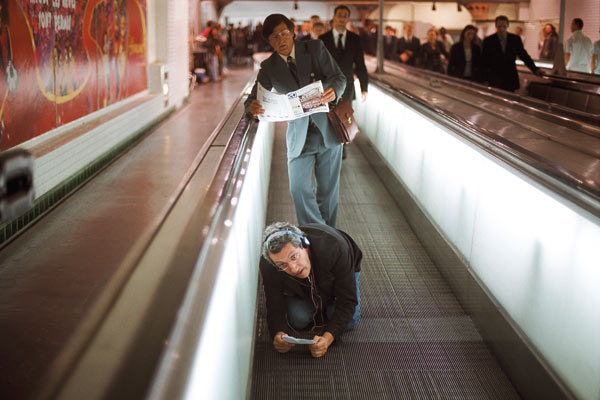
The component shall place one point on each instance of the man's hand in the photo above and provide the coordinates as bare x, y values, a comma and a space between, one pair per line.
255, 108
281, 345
406, 55
364, 96
328, 96
322, 343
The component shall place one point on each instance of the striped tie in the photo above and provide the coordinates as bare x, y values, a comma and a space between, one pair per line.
292, 67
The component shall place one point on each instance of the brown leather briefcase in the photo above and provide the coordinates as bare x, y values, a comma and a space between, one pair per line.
342, 118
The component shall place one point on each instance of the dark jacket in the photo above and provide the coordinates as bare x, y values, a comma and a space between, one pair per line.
334, 259
414, 45
457, 63
390, 48
368, 41
351, 61
500, 69
548, 49
430, 58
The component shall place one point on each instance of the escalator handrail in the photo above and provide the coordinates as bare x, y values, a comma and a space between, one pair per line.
539, 108
584, 193
177, 360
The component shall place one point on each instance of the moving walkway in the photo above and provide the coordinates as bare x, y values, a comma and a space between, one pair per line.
478, 217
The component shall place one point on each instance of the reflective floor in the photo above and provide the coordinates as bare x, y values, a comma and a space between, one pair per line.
414, 340
58, 278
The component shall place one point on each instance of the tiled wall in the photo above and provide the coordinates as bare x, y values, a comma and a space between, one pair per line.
539, 12
177, 56
589, 12
53, 168
60, 171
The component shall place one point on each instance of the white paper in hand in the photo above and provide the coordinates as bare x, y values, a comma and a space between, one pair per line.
291, 339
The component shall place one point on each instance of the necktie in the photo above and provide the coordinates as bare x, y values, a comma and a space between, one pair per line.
503, 43
292, 67
339, 44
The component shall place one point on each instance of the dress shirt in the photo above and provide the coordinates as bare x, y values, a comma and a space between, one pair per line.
596, 51
336, 34
292, 54
580, 48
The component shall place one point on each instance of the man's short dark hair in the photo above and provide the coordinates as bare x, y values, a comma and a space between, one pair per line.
501, 18
272, 21
341, 7
578, 23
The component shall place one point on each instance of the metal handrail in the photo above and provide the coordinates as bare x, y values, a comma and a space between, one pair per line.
584, 193
545, 110
170, 379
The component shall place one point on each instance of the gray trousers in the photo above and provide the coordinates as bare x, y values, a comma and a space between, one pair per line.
316, 204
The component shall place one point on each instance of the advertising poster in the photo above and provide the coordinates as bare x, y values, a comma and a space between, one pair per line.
63, 59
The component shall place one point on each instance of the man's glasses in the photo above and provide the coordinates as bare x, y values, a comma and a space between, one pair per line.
283, 34
282, 266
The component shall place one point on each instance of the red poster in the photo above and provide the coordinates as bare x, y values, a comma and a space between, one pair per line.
63, 59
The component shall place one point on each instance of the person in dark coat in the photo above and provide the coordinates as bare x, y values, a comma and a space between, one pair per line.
408, 46
390, 44
346, 49
499, 53
430, 55
465, 56
310, 276
548, 49
318, 28
368, 37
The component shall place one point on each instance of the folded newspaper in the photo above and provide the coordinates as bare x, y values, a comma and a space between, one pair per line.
297, 104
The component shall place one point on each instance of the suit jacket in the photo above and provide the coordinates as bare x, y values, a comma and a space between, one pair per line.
414, 45
351, 61
275, 74
390, 48
368, 41
457, 63
430, 58
500, 69
549, 48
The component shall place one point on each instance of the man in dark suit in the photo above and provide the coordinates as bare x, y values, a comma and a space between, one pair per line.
312, 144
499, 53
348, 52
390, 44
408, 46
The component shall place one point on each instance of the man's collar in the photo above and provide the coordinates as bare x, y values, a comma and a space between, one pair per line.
292, 53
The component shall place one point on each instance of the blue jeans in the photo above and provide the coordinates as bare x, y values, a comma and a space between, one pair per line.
300, 311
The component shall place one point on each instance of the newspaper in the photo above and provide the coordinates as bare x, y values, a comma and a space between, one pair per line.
297, 104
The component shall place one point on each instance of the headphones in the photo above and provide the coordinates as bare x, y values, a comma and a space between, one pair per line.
304, 242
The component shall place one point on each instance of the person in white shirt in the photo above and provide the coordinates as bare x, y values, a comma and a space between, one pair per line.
578, 49
596, 57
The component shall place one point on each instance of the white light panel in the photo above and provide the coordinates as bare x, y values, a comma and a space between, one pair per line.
538, 256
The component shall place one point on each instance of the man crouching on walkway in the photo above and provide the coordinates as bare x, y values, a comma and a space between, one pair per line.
310, 277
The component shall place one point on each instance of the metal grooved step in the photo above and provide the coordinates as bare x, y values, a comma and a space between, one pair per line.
414, 340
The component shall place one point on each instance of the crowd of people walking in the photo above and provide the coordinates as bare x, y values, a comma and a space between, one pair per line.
490, 60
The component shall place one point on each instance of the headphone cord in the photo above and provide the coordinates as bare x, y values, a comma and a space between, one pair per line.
317, 302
